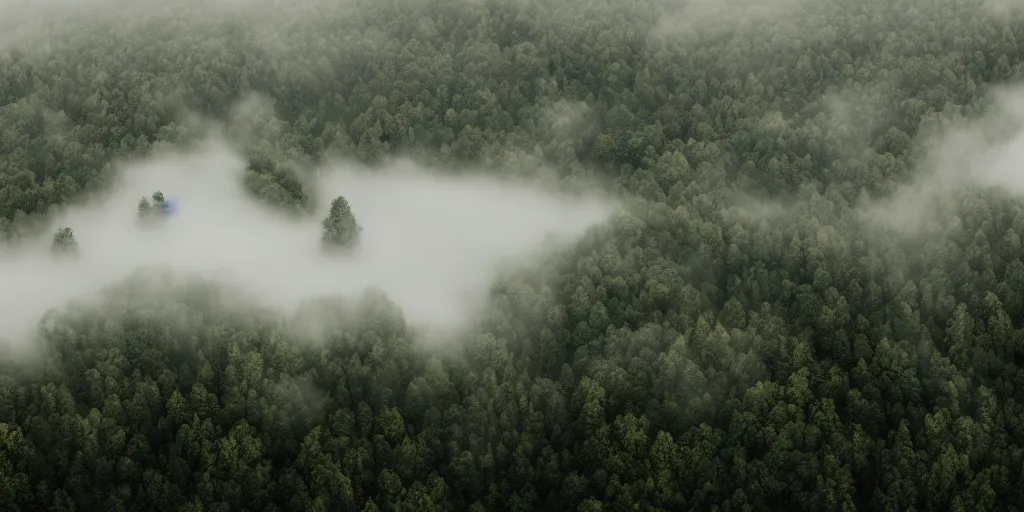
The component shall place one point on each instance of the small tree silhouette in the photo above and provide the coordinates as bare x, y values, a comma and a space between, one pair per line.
340, 227
147, 209
64, 241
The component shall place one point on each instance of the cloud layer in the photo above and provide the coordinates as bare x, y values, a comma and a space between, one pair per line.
433, 243
983, 153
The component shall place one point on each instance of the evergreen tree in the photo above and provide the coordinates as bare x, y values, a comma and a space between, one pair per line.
340, 229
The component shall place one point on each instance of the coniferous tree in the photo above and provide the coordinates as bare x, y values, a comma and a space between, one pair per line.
340, 229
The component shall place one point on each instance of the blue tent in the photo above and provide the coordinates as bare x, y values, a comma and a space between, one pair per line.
169, 207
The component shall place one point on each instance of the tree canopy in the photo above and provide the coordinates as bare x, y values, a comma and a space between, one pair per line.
741, 338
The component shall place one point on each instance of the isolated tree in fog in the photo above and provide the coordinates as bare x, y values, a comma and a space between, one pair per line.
277, 184
146, 208
64, 241
340, 227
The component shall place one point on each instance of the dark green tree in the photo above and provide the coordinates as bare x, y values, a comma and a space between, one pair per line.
340, 229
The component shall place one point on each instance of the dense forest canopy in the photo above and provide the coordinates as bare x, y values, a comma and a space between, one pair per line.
813, 298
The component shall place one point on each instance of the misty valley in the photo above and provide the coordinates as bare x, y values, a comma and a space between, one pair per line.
475, 255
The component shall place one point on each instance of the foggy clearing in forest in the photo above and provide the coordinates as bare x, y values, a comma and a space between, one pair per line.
432, 243
978, 153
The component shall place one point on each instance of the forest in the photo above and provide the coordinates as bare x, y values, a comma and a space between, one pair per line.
813, 298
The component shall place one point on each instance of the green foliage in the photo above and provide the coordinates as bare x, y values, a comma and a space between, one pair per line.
64, 241
276, 184
738, 339
339, 227
148, 210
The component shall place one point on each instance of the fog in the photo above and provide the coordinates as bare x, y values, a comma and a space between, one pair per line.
32, 25
432, 243
982, 153
685, 17
1002, 8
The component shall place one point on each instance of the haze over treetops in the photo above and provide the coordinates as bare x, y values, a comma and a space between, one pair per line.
474, 255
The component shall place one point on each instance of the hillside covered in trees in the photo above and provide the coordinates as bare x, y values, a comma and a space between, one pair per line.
805, 304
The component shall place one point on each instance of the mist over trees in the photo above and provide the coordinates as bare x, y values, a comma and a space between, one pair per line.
148, 209
275, 183
64, 241
742, 337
